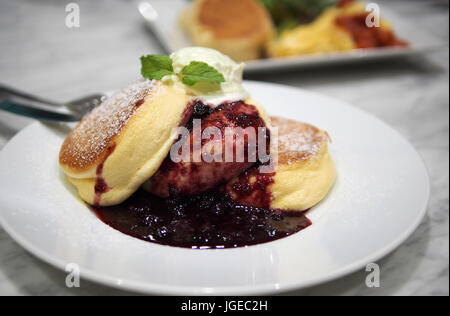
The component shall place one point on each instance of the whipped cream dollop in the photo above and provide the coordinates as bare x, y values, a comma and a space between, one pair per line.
213, 94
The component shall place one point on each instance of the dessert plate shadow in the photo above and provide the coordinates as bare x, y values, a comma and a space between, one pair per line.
379, 199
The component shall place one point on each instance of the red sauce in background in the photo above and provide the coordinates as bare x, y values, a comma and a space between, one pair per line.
342, 3
368, 37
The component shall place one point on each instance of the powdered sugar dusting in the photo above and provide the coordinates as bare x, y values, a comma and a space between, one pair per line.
89, 140
297, 141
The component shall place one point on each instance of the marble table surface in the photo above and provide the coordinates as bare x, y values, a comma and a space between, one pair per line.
41, 55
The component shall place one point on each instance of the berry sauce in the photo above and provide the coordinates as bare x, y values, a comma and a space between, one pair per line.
210, 220
252, 188
100, 184
206, 221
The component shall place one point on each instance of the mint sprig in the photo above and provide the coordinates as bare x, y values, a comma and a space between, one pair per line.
156, 67
198, 71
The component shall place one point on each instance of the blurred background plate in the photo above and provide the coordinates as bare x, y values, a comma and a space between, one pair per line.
163, 20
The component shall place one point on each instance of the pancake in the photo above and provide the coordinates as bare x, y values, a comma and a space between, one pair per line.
302, 177
237, 28
123, 142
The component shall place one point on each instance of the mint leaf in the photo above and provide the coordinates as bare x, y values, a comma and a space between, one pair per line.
156, 66
200, 72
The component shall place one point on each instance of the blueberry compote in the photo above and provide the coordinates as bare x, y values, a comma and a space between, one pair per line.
207, 221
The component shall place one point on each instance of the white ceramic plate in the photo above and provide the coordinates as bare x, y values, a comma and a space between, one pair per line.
379, 199
162, 16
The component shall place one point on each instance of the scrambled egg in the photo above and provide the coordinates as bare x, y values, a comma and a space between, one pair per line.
320, 37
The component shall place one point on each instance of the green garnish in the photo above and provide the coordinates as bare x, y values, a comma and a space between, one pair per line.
198, 71
287, 14
156, 67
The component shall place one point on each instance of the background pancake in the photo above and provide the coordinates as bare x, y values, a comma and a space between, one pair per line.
237, 28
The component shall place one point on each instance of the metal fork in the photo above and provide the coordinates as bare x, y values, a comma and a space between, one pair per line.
24, 104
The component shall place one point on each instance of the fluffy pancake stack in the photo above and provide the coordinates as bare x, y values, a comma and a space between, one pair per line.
115, 149
124, 142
